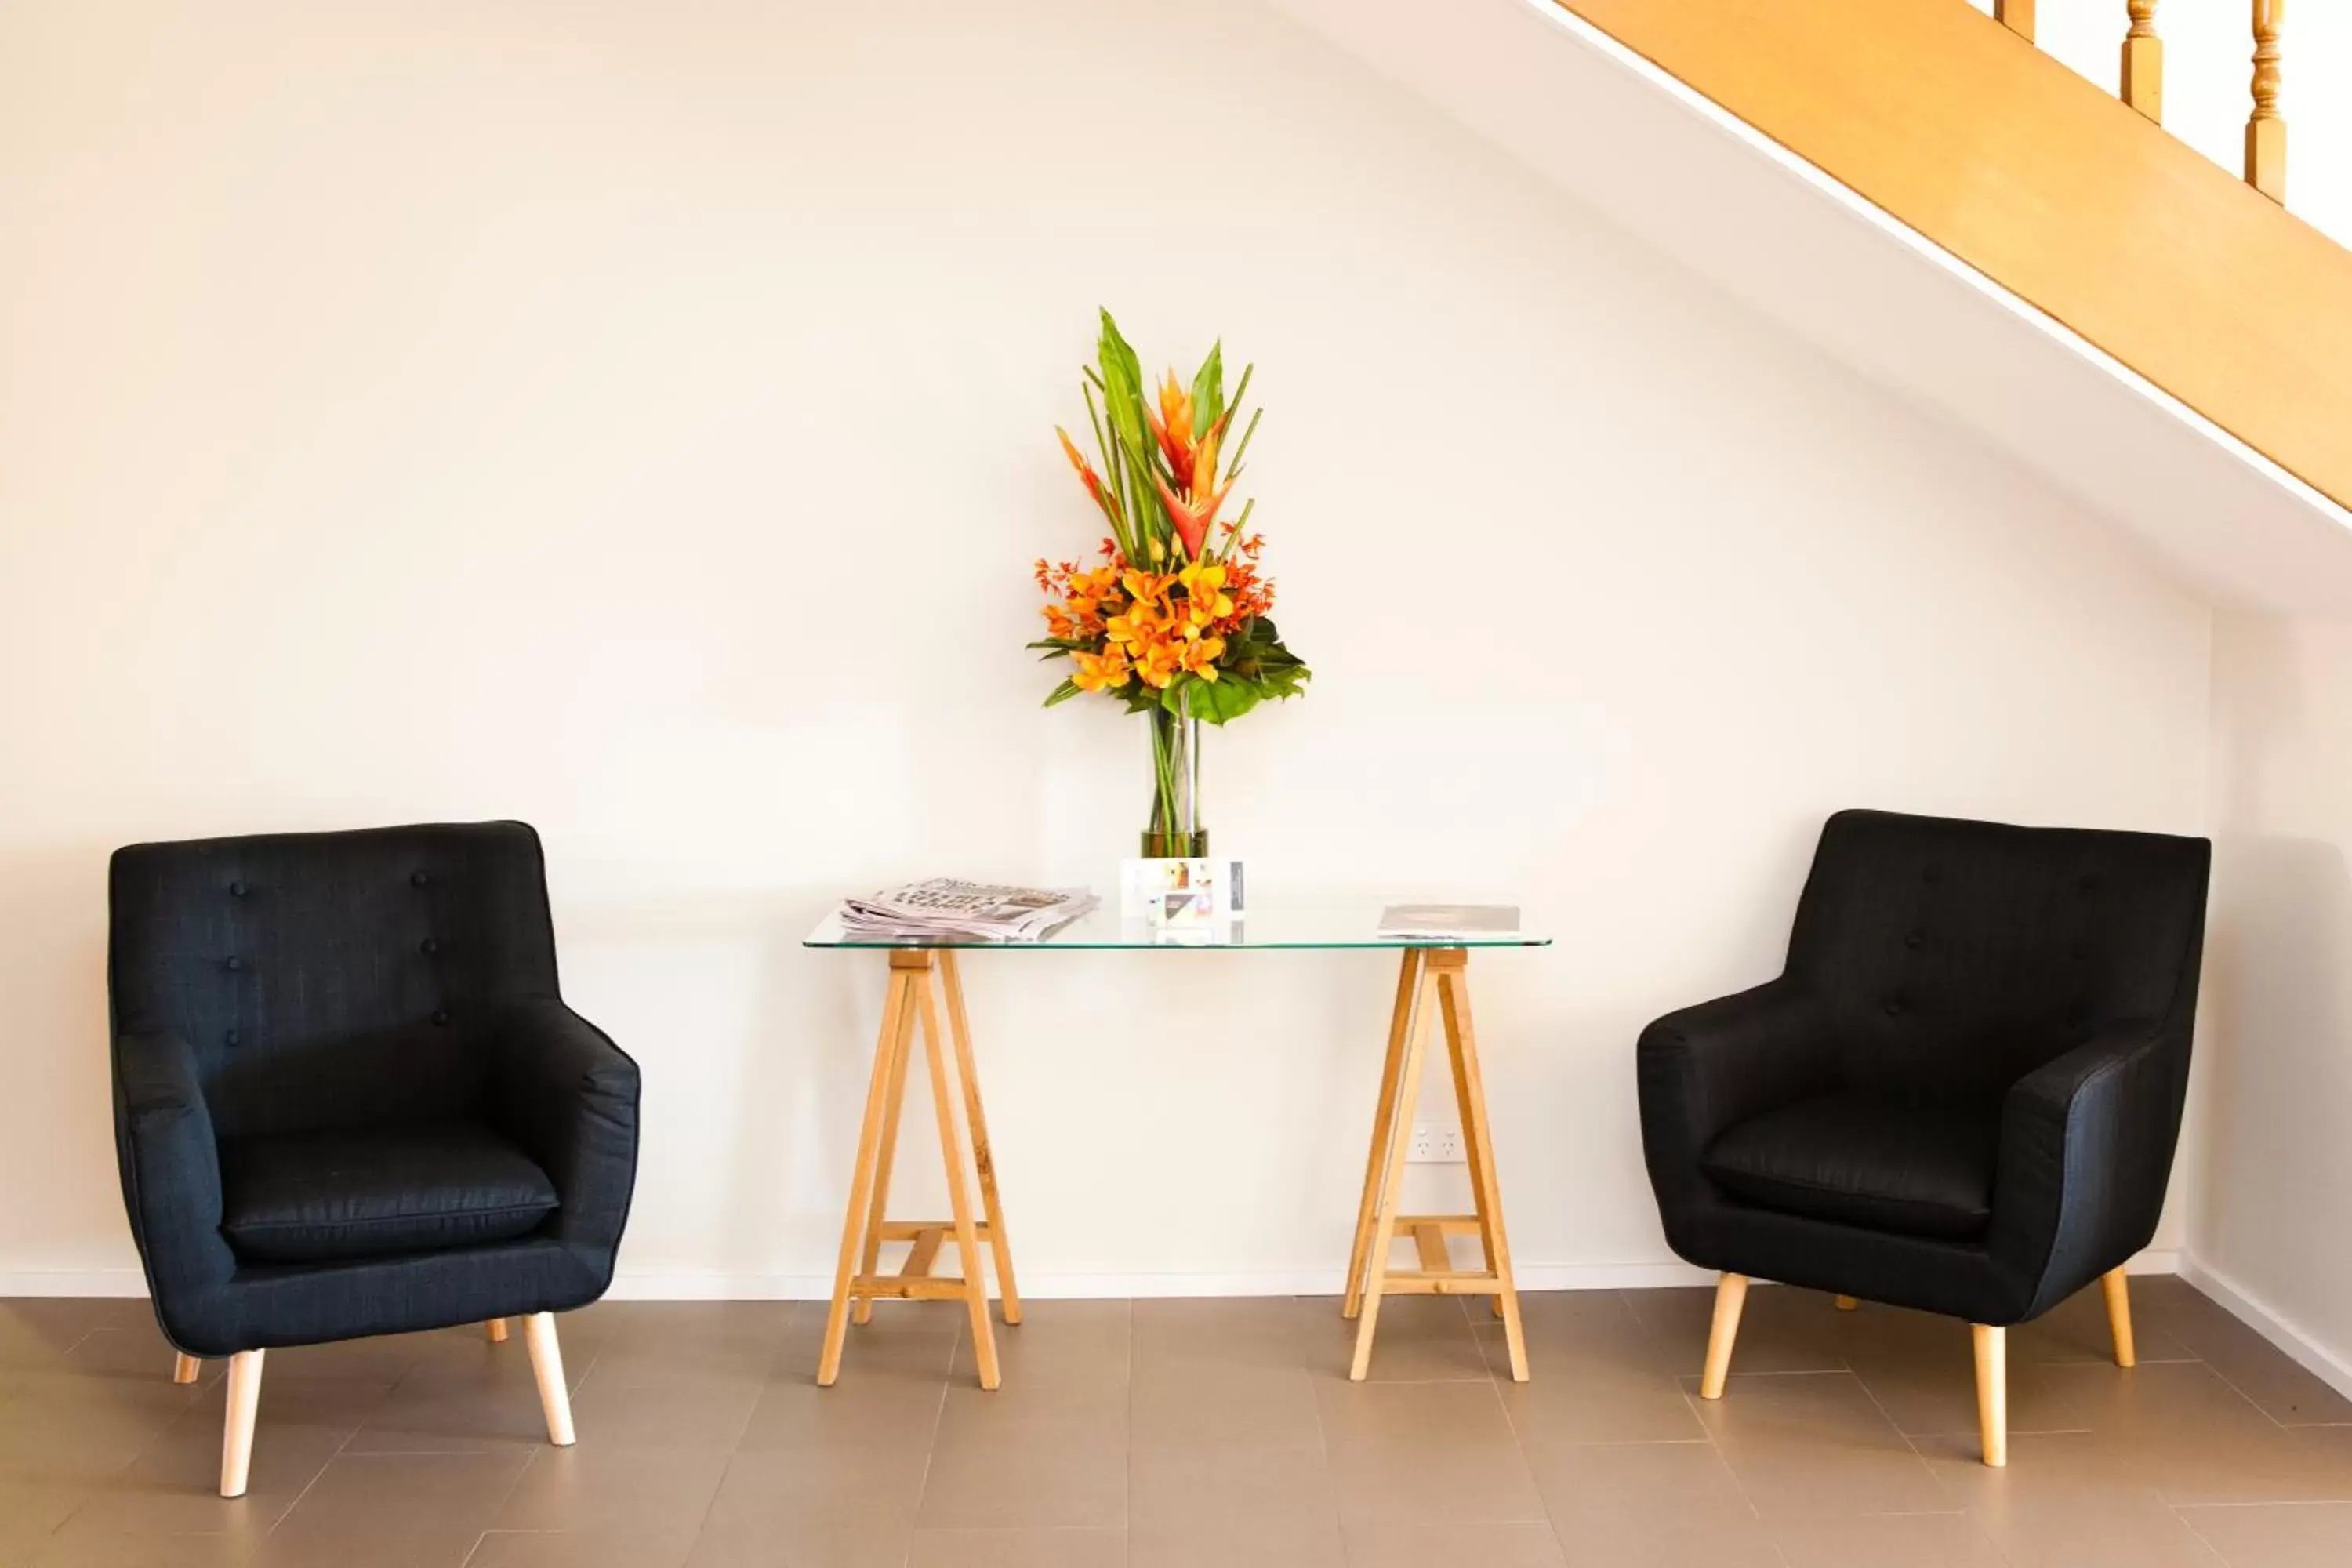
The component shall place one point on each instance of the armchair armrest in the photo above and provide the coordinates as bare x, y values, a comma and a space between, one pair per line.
1704, 1069
568, 1095
2086, 1143
170, 1166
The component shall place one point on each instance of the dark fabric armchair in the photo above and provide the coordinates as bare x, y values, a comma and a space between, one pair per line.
349, 1099
1961, 1095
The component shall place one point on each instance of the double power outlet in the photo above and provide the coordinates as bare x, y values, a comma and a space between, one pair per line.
1435, 1146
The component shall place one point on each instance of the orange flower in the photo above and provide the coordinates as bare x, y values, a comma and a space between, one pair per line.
1205, 465
1085, 472
1089, 591
1191, 513
1099, 671
1145, 587
1173, 425
1144, 621
1205, 599
1200, 655
1158, 662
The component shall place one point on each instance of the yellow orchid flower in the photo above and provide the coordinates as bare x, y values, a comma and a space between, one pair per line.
1205, 593
1145, 587
1099, 671
1201, 655
1139, 623
1159, 663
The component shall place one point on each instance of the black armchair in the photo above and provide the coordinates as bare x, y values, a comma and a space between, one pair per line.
1963, 1092
349, 1100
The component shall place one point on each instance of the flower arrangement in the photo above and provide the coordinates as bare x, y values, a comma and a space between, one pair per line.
1173, 623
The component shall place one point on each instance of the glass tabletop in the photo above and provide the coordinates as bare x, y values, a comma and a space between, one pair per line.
1269, 923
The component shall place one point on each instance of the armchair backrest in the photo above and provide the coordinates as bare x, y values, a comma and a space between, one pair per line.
329, 979
1954, 957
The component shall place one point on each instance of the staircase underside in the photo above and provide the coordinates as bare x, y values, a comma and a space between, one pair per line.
1967, 134
2158, 339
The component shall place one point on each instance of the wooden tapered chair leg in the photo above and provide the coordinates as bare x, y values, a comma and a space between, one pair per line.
1730, 1296
236, 1428
547, 1366
2119, 1295
496, 1329
1993, 1391
186, 1368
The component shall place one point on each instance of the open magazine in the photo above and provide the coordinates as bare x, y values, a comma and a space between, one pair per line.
948, 907
1436, 923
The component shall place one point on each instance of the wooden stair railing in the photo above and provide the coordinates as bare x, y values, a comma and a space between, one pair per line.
2010, 162
2143, 74
2265, 132
2143, 80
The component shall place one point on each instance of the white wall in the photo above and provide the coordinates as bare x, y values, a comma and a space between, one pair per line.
2274, 1185
635, 418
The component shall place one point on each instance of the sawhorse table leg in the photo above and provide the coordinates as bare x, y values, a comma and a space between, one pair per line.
1437, 976
912, 1003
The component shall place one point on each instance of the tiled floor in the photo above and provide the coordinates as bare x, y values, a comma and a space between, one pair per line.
1170, 1434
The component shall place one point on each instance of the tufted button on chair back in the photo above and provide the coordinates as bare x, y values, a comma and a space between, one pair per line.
1953, 957
332, 980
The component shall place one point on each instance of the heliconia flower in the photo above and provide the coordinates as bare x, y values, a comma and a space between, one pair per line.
1173, 424
1204, 467
1085, 470
1192, 514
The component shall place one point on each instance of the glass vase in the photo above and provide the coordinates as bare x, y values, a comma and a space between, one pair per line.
1174, 831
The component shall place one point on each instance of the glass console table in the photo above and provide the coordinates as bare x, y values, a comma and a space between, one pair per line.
1433, 978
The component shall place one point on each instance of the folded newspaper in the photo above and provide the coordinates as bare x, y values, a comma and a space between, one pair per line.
947, 907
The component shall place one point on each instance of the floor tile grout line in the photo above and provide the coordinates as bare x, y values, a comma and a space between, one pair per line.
1625, 1303
2202, 1539
2263, 1502
1518, 1439
2232, 1383
931, 1449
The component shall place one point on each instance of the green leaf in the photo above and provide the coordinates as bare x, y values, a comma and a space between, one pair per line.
1062, 693
1122, 386
1241, 526
1139, 453
1114, 477
1241, 449
1218, 702
1209, 389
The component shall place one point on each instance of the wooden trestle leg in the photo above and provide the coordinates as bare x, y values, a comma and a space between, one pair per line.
910, 1002
1437, 976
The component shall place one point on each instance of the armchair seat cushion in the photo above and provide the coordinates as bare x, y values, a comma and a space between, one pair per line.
1864, 1158
312, 1198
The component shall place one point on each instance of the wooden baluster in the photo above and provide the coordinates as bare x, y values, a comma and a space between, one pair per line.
2144, 62
2017, 16
2265, 132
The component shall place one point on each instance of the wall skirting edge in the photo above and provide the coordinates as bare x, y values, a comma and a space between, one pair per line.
719, 1285
2306, 1352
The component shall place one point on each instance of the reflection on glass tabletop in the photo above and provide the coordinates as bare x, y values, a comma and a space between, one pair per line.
1271, 921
